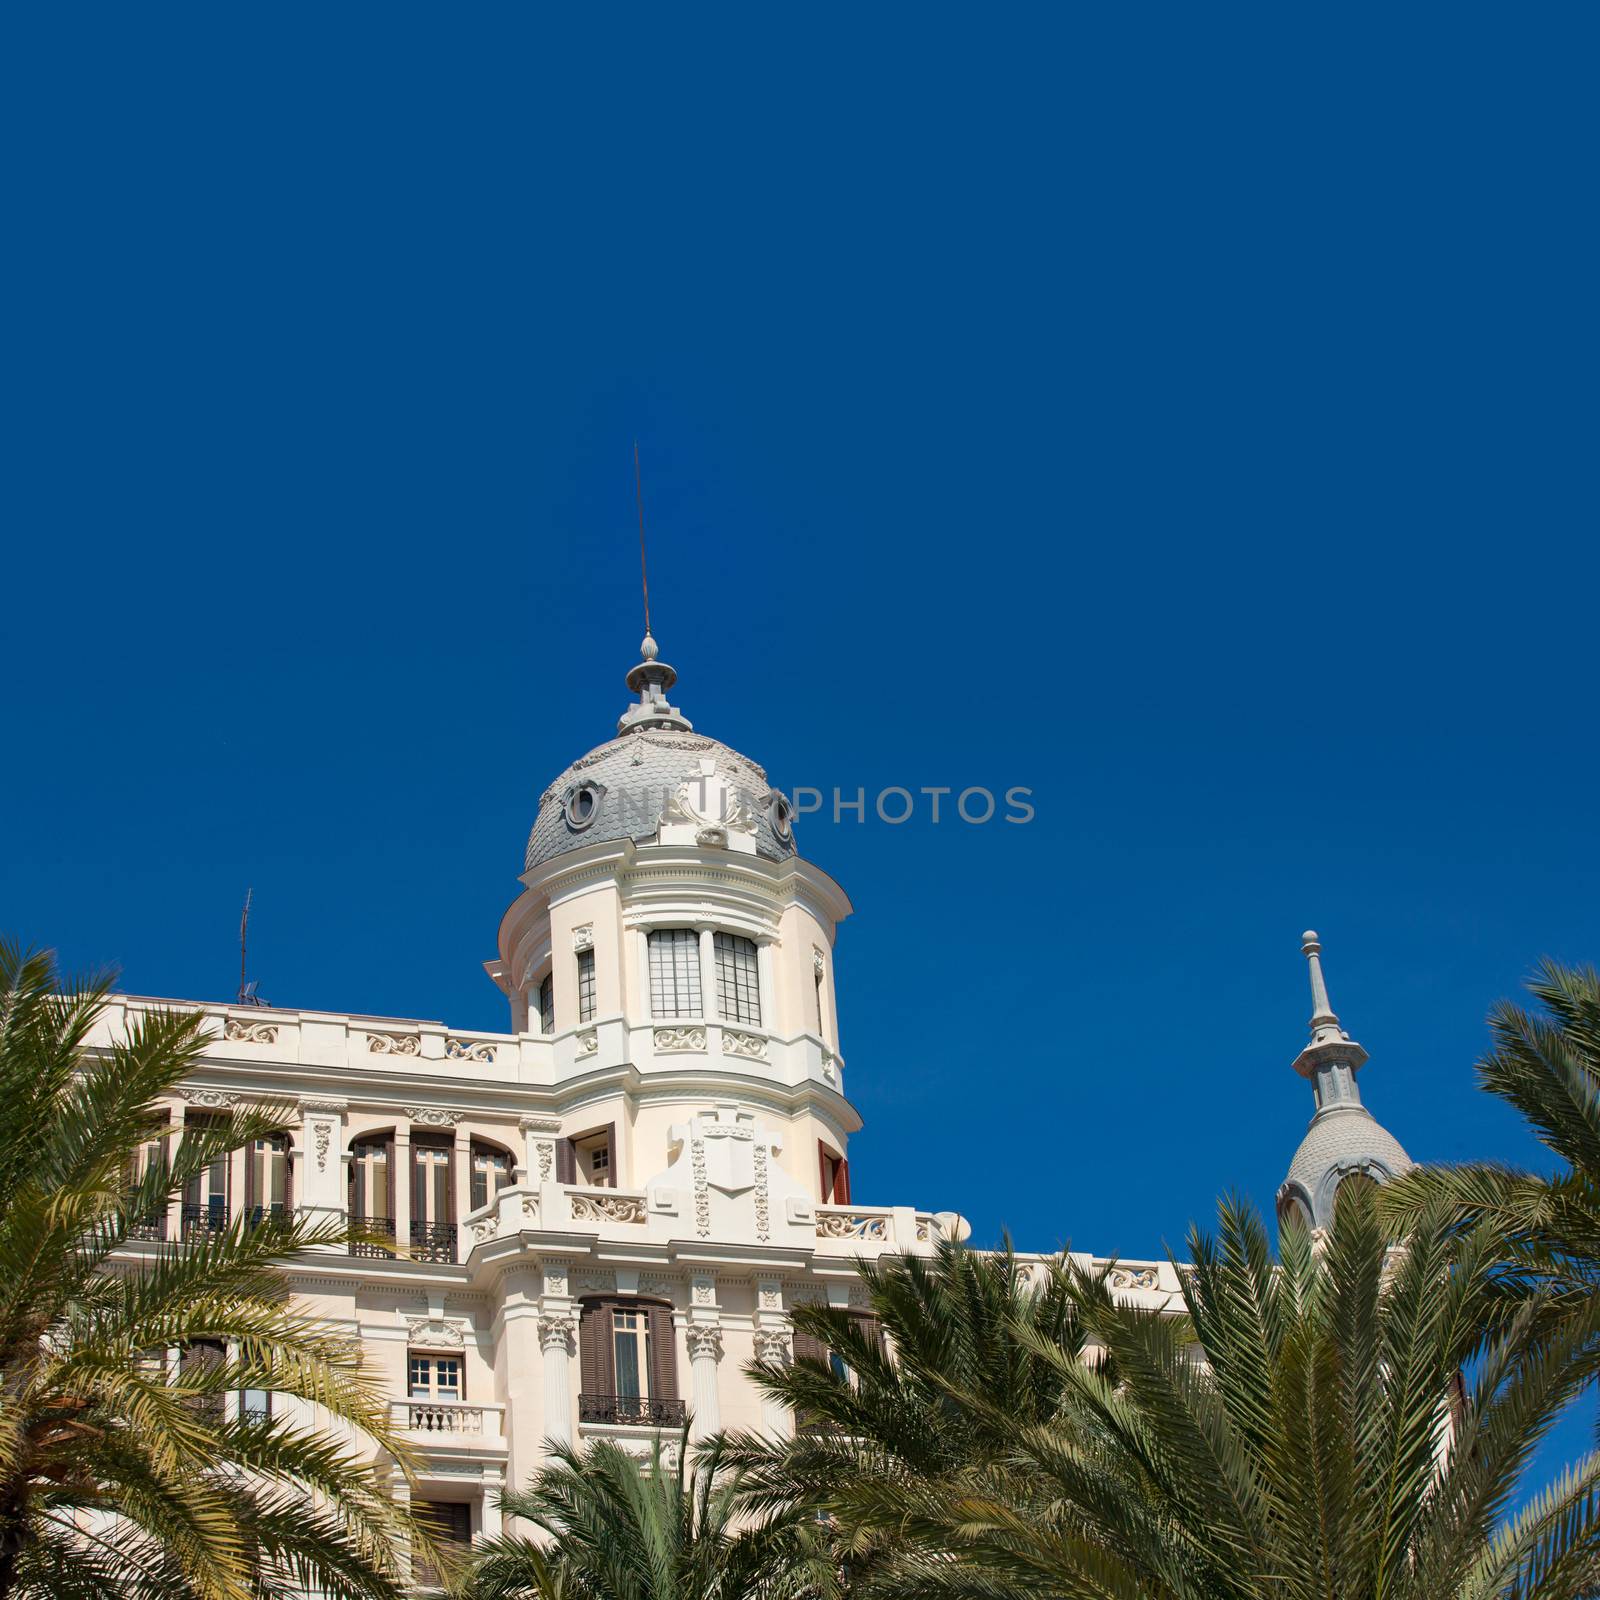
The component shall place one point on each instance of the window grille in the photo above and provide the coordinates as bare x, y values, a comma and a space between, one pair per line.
675, 973
547, 1004
738, 981
586, 986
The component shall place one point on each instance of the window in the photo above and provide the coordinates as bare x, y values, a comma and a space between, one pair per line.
449, 1524
431, 1198
593, 1159
675, 973
269, 1175
547, 1004
834, 1175
738, 982
491, 1172
255, 1405
369, 1180
435, 1377
199, 1364
205, 1202
586, 986
630, 1342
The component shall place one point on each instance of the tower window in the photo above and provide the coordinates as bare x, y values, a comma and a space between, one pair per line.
547, 1004
674, 973
586, 986
738, 982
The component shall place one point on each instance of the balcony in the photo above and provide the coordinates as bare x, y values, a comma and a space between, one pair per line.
199, 1221
383, 1227
449, 1424
433, 1241
630, 1410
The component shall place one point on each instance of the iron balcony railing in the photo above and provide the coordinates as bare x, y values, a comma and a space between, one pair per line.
631, 1409
255, 1215
433, 1241
209, 1218
383, 1227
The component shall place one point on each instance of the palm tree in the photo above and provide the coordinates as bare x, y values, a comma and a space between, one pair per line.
1292, 1429
123, 1472
1548, 1067
957, 1353
623, 1530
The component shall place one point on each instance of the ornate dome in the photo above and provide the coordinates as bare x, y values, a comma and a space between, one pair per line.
658, 768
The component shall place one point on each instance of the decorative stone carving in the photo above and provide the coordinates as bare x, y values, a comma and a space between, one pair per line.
588, 1042
819, 962
433, 1116
435, 1333
830, 1067
468, 1050
704, 1339
537, 1124
857, 1296
702, 1194
750, 1045
557, 1331
642, 1450
583, 938
325, 1103
210, 1099
661, 1288
771, 1294
1133, 1278
607, 1208
774, 1346
555, 1278
484, 1229
530, 1206
763, 1197
394, 1044
668, 1040
321, 1138
597, 1282
703, 1288
924, 1229
851, 1225
547, 1158
242, 1032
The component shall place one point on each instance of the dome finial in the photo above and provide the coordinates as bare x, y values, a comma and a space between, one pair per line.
1324, 1022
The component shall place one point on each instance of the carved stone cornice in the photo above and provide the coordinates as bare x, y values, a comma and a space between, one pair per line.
324, 1103
435, 1333
210, 1099
433, 1116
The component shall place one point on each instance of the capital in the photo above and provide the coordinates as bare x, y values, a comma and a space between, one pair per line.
557, 1331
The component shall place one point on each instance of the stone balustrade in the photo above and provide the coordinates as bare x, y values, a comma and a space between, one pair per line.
449, 1418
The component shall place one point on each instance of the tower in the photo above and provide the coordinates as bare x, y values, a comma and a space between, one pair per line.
1344, 1137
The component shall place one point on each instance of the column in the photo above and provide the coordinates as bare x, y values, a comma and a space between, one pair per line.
320, 1180
774, 1345
461, 1166
705, 1351
400, 1184
558, 1330
494, 1480
400, 1490
703, 1336
641, 948
709, 1009
769, 992
175, 1202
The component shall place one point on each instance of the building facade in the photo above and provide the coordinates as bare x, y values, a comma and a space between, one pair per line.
607, 1211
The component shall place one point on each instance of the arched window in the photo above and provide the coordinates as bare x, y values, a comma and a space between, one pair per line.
738, 980
267, 1177
492, 1170
1292, 1208
547, 1004
372, 1188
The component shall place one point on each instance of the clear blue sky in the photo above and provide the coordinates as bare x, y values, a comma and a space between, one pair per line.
1190, 416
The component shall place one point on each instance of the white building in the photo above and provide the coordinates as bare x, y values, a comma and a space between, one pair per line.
610, 1208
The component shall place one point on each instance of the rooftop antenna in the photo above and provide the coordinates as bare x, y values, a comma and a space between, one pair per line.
644, 571
247, 991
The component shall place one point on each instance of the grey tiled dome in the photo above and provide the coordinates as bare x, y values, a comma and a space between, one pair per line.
1341, 1139
635, 772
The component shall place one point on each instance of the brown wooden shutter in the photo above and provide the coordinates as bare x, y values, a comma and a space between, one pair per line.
566, 1162
596, 1359
353, 1203
824, 1177
250, 1177
288, 1177
841, 1182
390, 1175
613, 1176
868, 1327
450, 1185
663, 1354
417, 1198
807, 1347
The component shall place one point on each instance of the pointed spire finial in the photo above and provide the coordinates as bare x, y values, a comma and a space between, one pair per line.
1324, 1021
